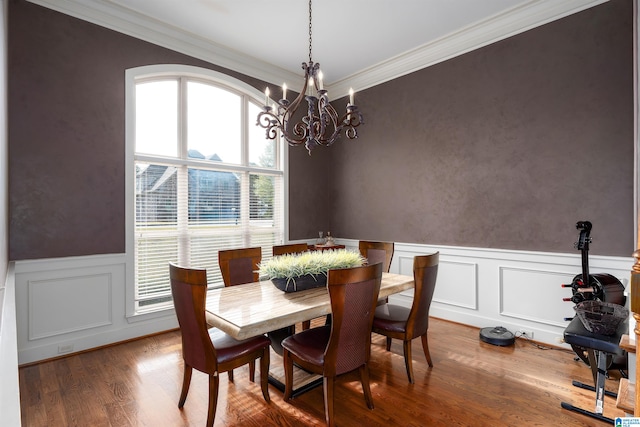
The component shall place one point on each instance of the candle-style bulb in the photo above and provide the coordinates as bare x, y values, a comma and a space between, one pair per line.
310, 86
266, 96
350, 96
320, 77
284, 91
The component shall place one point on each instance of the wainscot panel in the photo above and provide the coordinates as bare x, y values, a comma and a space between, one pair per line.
53, 312
67, 305
519, 290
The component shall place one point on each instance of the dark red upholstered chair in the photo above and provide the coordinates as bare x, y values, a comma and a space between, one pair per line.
404, 323
345, 344
293, 248
239, 266
376, 252
210, 350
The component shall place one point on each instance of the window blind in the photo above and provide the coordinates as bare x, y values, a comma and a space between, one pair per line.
191, 205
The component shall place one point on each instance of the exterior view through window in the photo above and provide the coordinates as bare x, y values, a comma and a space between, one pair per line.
206, 178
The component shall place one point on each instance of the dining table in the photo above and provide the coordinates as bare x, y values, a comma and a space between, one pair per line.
258, 308
253, 309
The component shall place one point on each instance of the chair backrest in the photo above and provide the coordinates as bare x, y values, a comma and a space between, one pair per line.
425, 272
354, 296
189, 291
294, 248
376, 252
239, 266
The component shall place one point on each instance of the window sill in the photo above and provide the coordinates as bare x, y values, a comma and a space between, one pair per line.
151, 315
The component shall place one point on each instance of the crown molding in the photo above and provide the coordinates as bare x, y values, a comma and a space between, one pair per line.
498, 27
519, 19
131, 23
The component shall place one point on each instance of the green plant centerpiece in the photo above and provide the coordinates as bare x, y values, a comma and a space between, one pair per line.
306, 270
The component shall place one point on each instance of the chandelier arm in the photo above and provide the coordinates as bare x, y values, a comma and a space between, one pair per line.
350, 121
269, 121
297, 134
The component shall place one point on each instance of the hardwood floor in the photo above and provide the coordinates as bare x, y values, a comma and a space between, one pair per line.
471, 384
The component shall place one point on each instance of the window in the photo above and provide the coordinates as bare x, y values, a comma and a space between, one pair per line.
203, 177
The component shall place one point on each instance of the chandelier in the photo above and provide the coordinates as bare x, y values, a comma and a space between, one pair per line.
321, 125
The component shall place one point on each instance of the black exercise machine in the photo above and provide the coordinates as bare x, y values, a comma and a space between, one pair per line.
600, 351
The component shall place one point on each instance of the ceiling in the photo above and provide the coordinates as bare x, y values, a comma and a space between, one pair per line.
359, 43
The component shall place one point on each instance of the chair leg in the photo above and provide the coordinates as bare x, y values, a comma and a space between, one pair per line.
213, 399
328, 386
230, 373
264, 374
186, 380
407, 359
364, 379
288, 374
425, 347
306, 325
252, 371
388, 344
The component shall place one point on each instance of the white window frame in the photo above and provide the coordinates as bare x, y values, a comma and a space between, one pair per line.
165, 70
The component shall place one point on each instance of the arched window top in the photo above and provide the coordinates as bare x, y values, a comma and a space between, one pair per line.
199, 114
167, 70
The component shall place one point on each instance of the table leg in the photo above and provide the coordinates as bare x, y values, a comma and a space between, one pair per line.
302, 381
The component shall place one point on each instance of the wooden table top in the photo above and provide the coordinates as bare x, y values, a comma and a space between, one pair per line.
249, 310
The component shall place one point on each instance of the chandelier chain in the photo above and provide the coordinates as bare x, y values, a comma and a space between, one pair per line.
310, 60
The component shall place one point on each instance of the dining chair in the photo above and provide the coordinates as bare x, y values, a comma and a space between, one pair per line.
395, 321
292, 248
344, 345
240, 266
376, 252
210, 350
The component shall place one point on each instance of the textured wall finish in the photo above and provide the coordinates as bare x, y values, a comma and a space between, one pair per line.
504, 147
4, 144
67, 131
309, 207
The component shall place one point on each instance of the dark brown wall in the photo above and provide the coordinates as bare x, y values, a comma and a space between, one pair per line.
309, 191
504, 147
67, 131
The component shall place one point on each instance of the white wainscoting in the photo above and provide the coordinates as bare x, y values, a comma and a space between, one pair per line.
9, 379
73, 304
519, 290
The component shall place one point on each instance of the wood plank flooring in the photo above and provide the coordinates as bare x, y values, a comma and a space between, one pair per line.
471, 384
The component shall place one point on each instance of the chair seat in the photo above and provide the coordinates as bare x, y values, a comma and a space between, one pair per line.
391, 317
309, 344
228, 348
